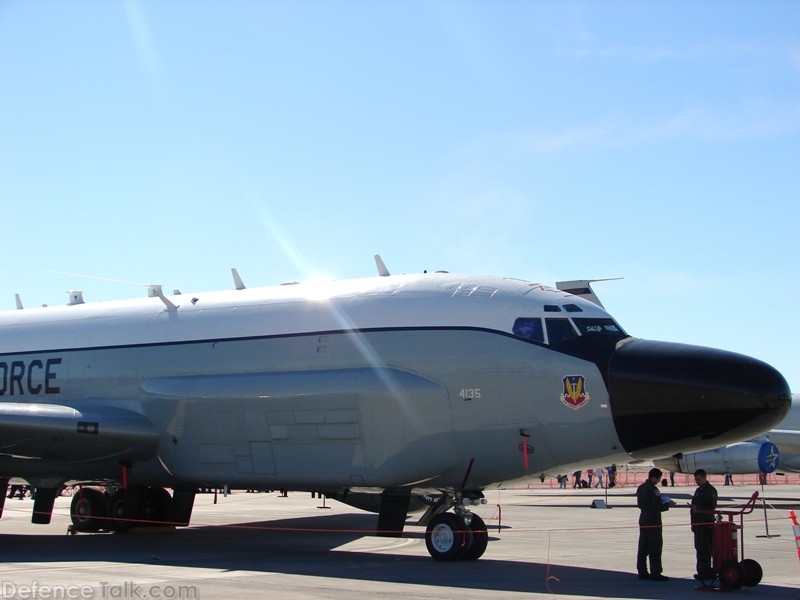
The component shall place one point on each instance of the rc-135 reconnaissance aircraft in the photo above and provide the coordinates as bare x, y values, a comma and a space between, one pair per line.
369, 389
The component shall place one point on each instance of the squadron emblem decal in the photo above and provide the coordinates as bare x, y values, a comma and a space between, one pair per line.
574, 394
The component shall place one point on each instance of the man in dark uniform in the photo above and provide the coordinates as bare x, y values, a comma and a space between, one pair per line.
648, 498
704, 502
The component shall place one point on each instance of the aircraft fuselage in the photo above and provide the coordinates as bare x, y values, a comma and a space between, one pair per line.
418, 382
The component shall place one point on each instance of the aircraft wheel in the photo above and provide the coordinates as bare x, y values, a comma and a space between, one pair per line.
751, 572
120, 519
730, 575
155, 507
88, 510
448, 537
480, 539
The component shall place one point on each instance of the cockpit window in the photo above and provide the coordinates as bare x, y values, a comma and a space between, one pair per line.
529, 328
559, 330
597, 326
572, 308
562, 329
551, 308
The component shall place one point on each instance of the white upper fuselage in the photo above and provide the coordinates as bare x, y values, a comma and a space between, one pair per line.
428, 300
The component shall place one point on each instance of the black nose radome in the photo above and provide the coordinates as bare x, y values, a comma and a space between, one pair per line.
668, 398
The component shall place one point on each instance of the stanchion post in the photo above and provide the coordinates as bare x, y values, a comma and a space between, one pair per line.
766, 521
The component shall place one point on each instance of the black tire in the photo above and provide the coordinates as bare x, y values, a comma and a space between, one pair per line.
751, 572
730, 575
448, 537
120, 519
88, 510
480, 539
155, 507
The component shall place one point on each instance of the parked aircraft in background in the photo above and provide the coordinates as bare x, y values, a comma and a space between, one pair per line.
388, 386
777, 450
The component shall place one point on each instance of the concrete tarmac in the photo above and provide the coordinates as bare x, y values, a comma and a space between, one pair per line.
543, 543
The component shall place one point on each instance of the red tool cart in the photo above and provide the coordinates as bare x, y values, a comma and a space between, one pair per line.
730, 566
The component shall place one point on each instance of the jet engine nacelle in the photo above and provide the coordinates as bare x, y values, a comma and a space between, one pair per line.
62, 434
740, 458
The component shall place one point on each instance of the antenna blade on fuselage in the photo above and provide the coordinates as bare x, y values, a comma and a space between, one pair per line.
237, 281
382, 270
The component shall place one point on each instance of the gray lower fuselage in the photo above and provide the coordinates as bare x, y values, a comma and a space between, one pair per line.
395, 408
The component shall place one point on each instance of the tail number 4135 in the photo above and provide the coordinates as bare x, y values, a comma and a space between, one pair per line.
470, 393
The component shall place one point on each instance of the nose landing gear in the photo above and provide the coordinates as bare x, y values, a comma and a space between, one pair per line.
460, 535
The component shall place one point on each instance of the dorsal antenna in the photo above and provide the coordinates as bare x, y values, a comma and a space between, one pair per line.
382, 270
154, 291
237, 280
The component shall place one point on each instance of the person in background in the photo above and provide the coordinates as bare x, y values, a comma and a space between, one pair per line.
612, 476
17, 489
599, 471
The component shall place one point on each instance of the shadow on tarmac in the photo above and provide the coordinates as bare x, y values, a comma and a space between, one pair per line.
305, 546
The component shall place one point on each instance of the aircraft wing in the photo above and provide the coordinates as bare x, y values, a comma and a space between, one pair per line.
788, 440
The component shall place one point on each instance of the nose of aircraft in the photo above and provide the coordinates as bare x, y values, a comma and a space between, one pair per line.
667, 398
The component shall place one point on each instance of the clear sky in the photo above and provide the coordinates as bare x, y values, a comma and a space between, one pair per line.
151, 141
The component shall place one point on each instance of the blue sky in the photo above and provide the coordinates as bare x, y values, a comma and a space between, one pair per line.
145, 141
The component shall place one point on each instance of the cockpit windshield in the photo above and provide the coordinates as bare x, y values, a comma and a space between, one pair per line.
599, 326
561, 329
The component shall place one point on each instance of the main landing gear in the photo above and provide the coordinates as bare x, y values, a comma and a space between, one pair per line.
460, 535
120, 510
